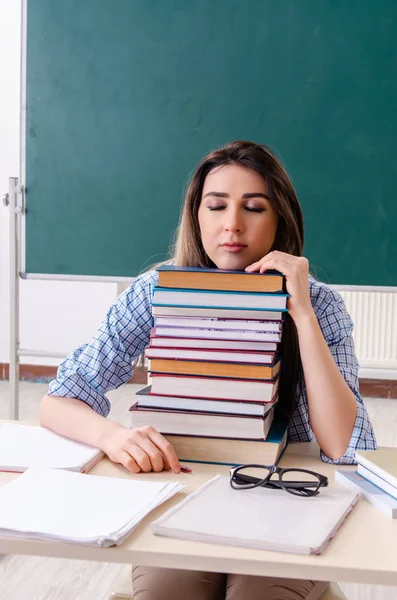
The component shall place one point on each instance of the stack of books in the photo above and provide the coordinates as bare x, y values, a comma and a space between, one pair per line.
375, 478
214, 366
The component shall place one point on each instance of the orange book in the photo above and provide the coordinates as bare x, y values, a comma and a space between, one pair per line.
196, 278
214, 369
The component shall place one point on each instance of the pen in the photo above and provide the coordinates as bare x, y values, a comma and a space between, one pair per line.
185, 469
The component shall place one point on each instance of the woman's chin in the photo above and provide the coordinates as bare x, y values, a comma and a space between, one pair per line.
231, 263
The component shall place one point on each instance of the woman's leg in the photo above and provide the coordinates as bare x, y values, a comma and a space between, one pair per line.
151, 583
247, 587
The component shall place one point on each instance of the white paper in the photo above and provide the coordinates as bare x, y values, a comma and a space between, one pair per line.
24, 446
52, 503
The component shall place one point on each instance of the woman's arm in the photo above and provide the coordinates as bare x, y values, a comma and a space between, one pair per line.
141, 449
76, 404
332, 404
76, 420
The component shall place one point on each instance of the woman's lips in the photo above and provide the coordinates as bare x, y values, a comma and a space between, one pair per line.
234, 247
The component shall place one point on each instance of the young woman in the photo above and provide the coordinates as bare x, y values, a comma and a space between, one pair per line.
241, 212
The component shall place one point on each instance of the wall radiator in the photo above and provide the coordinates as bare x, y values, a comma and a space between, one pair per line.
375, 331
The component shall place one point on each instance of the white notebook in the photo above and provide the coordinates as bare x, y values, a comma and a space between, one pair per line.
371, 492
258, 518
24, 446
53, 504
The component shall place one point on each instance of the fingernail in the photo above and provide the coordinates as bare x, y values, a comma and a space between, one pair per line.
185, 469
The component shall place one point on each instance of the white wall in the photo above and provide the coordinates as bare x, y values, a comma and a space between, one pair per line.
54, 316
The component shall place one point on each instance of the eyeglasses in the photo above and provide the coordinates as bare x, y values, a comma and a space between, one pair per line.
299, 482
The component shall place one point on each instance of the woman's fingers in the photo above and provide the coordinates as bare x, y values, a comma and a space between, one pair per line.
142, 449
166, 448
139, 455
271, 263
128, 462
150, 451
285, 263
281, 265
153, 453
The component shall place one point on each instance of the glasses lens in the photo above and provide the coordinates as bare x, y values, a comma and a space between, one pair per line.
301, 483
249, 476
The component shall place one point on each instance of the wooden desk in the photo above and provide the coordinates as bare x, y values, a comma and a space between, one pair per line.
364, 550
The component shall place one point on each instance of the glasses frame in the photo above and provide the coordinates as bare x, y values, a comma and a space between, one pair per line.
297, 488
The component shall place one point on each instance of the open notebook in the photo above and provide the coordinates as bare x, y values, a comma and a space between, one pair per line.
24, 446
53, 504
258, 518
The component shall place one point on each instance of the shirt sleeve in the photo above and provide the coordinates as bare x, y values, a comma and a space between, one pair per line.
106, 362
337, 328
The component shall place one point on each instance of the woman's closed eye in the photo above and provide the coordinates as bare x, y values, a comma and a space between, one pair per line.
257, 209
216, 207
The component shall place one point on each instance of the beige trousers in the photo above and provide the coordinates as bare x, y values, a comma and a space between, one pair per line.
151, 583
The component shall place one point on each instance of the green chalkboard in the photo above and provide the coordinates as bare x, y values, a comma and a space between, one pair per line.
124, 97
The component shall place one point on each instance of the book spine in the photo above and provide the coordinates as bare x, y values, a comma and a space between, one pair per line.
378, 471
378, 481
369, 491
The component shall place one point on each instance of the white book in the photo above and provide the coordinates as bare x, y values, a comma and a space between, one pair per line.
176, 422
53, 504
212, 299
182, 311
24, 446
369, 491
218, 334
213, 323
167, 342
258, 518
382, 462
376, 480
146, 399
214, 387
259, 358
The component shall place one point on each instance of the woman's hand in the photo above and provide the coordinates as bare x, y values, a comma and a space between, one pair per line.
142, 449
296, 271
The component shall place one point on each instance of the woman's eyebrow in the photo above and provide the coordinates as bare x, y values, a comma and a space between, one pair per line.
256, 195
217, 194
245, 196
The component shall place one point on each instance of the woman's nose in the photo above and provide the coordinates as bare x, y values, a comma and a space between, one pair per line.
233, 222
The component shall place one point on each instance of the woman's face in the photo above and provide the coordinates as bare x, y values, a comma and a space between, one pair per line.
237, 221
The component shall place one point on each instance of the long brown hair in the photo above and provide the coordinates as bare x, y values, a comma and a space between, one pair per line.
188, 250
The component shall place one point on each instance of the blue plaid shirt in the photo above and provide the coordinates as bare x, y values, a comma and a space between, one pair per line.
106, 362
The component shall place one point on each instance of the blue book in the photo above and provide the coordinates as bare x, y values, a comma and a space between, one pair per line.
211, 299
171, 276
371, 492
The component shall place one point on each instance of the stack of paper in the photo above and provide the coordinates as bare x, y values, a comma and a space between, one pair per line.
24, 446
44, 504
